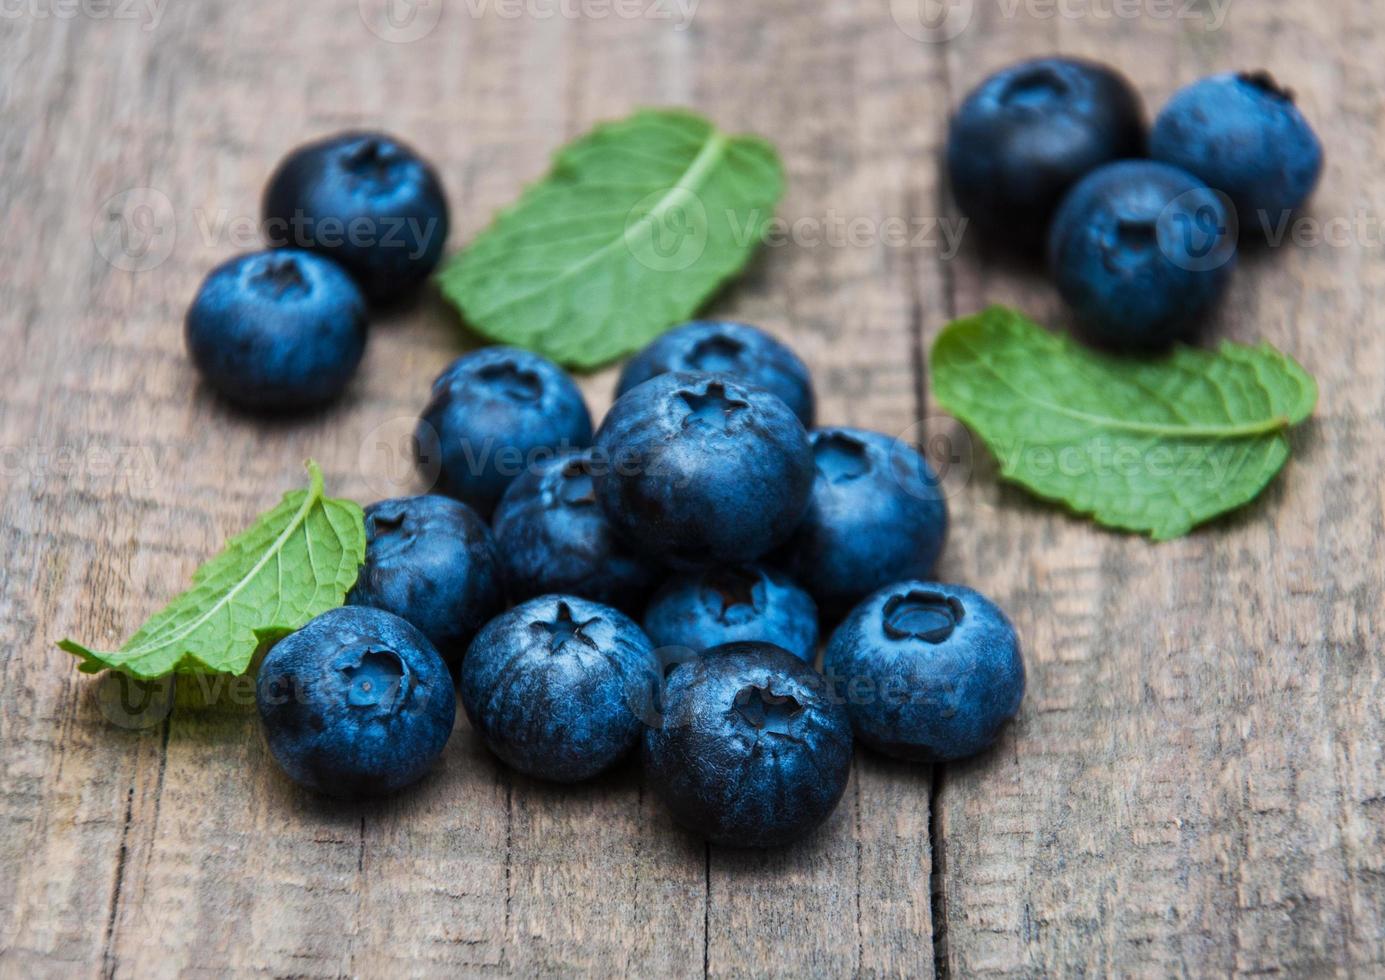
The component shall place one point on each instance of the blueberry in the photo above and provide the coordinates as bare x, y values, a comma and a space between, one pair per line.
1139, 249
432, 561
735, 603
877, 515
1242, 135
356, 703
752, 751
365, 200
928, 672
495, 413
560, 687
732, 350
1026, 134
277, 331
700, 470
554, 538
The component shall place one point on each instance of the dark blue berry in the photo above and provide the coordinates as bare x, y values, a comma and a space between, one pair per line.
752, 750
560, 687
1141, 250
730, 604
1241, 134
432, 561
699, 470
1028, 133
928, 672
277, 331
494, 414
554, 539
876, 515
366, 201
356, 703
732, 350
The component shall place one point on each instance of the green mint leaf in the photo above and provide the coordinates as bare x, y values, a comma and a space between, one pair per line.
296, 562
636, 226
1155, 445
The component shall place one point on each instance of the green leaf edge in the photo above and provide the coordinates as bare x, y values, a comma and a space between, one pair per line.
1303, 409
93, 661
558, 167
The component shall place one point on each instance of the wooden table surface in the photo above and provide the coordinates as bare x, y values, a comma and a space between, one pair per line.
1196, 783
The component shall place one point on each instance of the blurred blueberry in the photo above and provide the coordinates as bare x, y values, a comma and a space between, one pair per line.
1140, 250
495, 413
877, 515
1242, 135
560, 687
735, 603
356, 703
554, 539
753, 751
432, 561
699, 470
365, 200
277, 331
732, 350
928, 672
1029, 132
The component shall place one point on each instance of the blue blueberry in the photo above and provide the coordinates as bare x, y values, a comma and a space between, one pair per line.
1028, 133
1140, 250
555, 539
431, 561
753, 751
877, 515
699, 470
277, 331
730, 604
560, 687
1242, 135
732, 350
928, 672
365, 200
495, 413
356, 703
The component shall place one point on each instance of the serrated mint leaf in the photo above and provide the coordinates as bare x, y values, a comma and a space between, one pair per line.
636, 226
296, 562
1153, 445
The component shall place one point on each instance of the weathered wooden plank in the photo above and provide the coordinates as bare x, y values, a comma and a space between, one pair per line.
1193, 786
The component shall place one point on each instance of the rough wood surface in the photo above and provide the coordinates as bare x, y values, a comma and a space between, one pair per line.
1195, 786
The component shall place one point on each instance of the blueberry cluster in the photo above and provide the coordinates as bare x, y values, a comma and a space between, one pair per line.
670, 573
356, 219
1141, 227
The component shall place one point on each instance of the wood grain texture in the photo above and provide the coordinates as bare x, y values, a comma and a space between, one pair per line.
1195, 786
